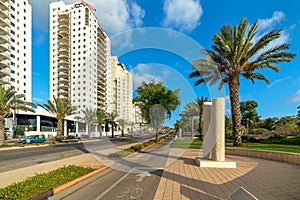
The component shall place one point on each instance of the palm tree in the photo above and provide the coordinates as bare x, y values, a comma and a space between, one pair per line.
191, 110
199, 102
9, 101
89, 117
61, 108
101, 116
122, 123
111, 117
237, 52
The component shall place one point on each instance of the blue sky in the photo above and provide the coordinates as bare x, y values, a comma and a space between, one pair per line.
158, 39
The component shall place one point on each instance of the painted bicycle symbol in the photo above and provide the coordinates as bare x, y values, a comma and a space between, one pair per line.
133, 192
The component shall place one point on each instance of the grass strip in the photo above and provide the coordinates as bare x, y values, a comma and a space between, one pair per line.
135, 148
196, 143
272, 147
42, 182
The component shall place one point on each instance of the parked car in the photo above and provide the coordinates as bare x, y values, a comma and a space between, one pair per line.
70, 137
22, 139
35, 139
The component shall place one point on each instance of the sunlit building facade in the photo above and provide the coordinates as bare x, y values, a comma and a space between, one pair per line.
79, 56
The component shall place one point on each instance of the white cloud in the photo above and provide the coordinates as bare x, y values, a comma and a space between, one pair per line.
39, 100
184, 15
268, 23
114, 15
278, 81
142, 73
295, 98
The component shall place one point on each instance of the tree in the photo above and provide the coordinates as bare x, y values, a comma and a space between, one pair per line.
111, 118
298, 115
150, 94
157, 115
236, 53
177, 125
9, 100
61, 108
101, 116
191, 110
249, 114
287, 125
89, 117
123, 123
200, 102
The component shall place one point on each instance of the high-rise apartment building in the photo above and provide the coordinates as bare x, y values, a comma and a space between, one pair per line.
79, 56
15, 46
121, 81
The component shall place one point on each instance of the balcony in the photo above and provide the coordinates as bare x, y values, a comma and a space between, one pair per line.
4, 31
64, 81
62, 34
64, 16
3, 47
63, 51
4, 5
64, 93
63, 69
3, 39
4, 16
63, 75
4, 72
63, 57
4, 64
64, 28
4, 81
63, 21
3, 56
63, 87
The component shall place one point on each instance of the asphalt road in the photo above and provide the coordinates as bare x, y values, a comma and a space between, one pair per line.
11, 159
134, 177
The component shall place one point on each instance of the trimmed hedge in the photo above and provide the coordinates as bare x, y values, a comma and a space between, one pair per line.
42, 182
135, 148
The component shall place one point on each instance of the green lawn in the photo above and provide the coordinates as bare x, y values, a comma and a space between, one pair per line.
273, 147
189, 143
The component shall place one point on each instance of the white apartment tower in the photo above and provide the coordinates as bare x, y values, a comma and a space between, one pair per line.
121, 81
15, 46
79, 55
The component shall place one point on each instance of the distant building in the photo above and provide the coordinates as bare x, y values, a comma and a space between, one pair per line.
79, 56
15, 46
121, 87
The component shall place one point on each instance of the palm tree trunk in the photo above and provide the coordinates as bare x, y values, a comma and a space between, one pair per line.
192, 123
89, 130
2, 130
112, 130
59, 127
235, 111
100, 130
200, 122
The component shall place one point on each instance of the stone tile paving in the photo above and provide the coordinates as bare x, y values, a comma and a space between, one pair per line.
265, 179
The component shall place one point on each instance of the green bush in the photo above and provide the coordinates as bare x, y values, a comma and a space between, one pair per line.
19, 132
57, 139
42, 182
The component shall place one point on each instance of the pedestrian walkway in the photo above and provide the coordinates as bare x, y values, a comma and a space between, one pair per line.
265, 179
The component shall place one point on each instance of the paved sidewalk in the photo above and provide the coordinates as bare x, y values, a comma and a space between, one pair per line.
265, 179
183, 179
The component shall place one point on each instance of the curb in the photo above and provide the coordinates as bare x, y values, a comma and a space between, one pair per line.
52, 191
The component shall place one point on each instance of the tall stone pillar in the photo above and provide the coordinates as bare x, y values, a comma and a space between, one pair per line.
206, 123
218, 124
